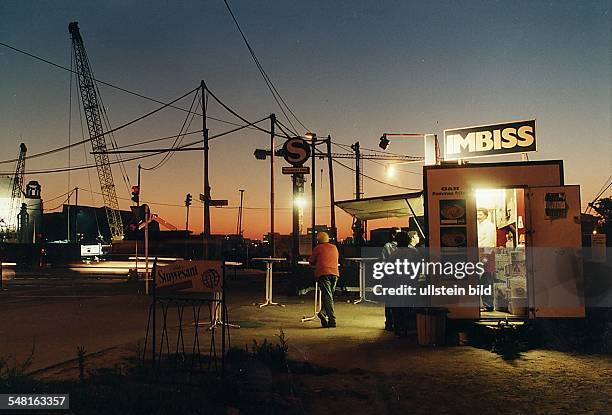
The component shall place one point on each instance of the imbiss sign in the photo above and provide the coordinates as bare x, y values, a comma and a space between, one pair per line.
490, 140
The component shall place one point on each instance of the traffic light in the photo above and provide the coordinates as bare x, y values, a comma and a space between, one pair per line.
384, 142
188, 199
261, 154
135, 194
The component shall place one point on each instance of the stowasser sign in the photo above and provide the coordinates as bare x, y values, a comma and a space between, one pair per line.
490, 140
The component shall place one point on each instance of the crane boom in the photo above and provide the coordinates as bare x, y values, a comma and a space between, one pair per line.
17, 188
91, 104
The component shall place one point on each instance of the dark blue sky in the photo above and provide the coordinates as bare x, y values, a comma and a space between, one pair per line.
349, 69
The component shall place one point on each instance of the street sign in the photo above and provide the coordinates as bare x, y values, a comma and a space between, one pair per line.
296, 170
218, 202
296, 151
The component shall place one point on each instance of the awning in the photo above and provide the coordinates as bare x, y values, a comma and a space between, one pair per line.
383, 207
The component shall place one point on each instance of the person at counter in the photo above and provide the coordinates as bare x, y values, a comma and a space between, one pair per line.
487, 233
325, 260
404, 318
387, 250
487, 239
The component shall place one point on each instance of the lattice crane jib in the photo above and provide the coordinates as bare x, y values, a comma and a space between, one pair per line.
17, 189
91, 104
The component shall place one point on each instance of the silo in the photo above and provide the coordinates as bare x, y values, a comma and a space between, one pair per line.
35, 210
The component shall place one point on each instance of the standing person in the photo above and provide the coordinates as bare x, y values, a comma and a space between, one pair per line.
487, 239
325, 260
387, 250
405, 316
487, 232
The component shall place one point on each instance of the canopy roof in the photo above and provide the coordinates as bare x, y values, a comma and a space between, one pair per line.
382, 207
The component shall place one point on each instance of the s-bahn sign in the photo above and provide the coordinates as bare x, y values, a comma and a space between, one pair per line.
296, 151
490, 140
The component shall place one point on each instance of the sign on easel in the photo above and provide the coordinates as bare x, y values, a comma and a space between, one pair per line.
195, 276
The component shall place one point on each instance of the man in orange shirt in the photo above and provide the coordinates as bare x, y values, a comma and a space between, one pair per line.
325, 260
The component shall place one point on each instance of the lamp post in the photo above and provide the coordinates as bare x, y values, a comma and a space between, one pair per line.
430, 142
313, 194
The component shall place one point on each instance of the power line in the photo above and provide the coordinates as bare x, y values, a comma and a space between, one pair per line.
265, 76
187, 147
394, 164
153, 152
373, 178
127, 91
235, 114
62, 148
178, 137
600, 192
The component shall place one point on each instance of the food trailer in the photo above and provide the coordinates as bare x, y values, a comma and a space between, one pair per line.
518, 218
535, 245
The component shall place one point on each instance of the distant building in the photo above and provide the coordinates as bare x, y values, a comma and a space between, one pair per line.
17, 225
88, 224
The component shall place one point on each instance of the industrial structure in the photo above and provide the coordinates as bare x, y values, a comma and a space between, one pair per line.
92, 105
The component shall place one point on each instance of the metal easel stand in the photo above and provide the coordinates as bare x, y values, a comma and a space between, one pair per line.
269, 288
317, 304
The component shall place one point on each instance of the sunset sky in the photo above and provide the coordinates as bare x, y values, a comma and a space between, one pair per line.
351, 69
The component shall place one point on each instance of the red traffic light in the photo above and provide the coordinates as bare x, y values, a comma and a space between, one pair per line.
135, 194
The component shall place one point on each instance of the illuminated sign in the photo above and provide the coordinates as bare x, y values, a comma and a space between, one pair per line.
490, 140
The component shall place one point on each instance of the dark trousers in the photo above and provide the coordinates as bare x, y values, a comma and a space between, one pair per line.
486, 280
327, 285
388, 318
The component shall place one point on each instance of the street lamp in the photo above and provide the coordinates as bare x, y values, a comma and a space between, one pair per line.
300, 202
430, 141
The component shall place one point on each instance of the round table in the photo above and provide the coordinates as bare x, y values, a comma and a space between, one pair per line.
362, 283
269, 261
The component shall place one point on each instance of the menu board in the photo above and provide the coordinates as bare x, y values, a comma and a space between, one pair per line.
452, 212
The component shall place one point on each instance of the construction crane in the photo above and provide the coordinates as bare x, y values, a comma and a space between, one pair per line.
92, 108
17, 189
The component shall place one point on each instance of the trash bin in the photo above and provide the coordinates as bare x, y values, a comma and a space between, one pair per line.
431, 326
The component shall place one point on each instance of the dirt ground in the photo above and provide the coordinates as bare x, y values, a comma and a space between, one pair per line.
377, 373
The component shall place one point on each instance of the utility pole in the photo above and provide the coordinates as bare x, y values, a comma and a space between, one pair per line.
206, 181
239, 224
136, 198
298, 182
76, 215
332, 198
272, 236
313, 190
357, 224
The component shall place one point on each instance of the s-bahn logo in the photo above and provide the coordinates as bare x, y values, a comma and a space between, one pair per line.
296, 151
490, 140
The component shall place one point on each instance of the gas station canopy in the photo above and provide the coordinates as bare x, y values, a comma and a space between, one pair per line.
383, 207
